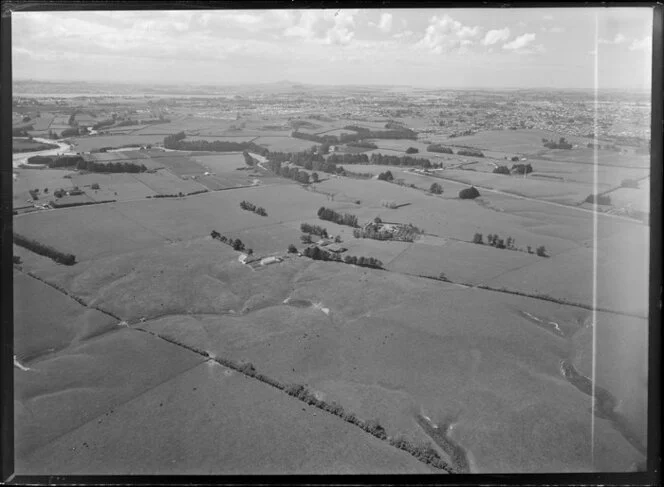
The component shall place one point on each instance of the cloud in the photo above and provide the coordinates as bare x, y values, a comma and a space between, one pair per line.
554, 30
325, 27
496, 35
445, 34
644, 44
403, 34
385, 23
548, 17
520, 42
618, 39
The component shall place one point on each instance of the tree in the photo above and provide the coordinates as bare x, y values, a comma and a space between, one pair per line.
412, 150
337, 239
469, 193
502, 170
292, 249
378, 220
95, 186
306, 238
436, 188
477, 239
215, 234
314, 177
541, 251
250, 251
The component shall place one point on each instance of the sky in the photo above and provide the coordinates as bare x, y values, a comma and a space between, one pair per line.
448, 48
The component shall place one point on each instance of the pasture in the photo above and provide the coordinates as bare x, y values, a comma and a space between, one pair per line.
392, 346
253, 416
284, 144
164, 182
26, 145
513, 141
93, 142
119, 186
41, 179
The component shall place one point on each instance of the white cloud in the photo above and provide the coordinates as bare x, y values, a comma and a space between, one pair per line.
548, 17
403, 34
445, 34
496, 35
618, 39
553, 30
385, 23
520, 42
644, 44
326, 27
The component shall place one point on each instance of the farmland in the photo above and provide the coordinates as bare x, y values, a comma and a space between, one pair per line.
162, 333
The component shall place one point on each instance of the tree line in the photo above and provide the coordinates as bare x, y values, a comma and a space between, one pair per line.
177, 142
439, 148
314, 230
317, 253
259, 210
494, 240
83, 165
236, 243
561, 144
360, 134
45, 250
338, 218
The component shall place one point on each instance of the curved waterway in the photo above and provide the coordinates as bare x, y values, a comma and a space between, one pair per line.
22, 157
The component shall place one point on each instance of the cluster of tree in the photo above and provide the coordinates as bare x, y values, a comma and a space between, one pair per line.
249, 161
168, 195
515, 159
388, 204
295, 174
412, 150
70, 132
382, 159
56, 161
375, 230
314, 229
259, 210
103, 123
348, 158
362, 144
436, 189
386, 176
502, 170
494, 240
34, 194
358, 175
237, 244
439, 148
16, 259
470, 152
599, 199
522, 168
317, 253
177, 142
331, 215
45, 250
469, 193
395, 132
552, 144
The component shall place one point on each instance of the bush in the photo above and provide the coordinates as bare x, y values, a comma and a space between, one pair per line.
477, 238
16, 259
386, 176
292, 249
469, 193
600, 199
502, 170
541, 251
470, 153
95, 186
439, 148
522, 168
436, 188
629, 183
412, 150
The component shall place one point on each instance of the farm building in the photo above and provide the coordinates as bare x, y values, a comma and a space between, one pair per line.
270, 260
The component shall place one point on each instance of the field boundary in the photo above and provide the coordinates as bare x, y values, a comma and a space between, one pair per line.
425, 455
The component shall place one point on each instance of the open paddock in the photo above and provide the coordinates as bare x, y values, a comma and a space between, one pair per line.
513, 141
284, 144
46, 320
164, 182
20, 144
117, 186
93, 142
253, 416
459, 261
633, 198
585, 155
88, 231
549, 190
390, 346
221, 163
178, 162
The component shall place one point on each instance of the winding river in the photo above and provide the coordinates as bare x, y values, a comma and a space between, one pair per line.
22, 157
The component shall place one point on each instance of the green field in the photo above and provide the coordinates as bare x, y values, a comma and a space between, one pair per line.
26, 145
93, 142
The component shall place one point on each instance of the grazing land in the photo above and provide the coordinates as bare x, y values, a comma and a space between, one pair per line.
211, 331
